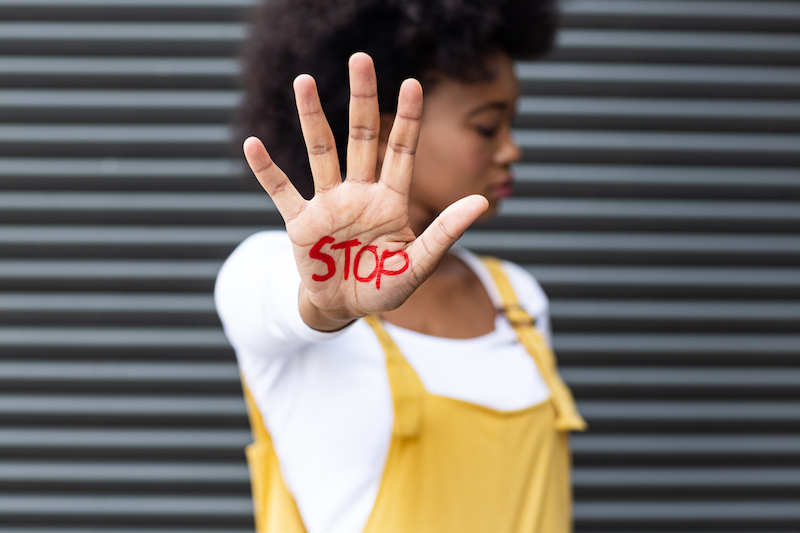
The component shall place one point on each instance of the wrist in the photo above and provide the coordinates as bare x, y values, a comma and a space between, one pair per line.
322, 319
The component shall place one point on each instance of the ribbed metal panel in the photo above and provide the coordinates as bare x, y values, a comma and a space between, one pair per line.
658, 203
120, 406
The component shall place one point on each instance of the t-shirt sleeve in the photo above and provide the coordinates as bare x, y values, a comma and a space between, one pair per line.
256, 296
531, 297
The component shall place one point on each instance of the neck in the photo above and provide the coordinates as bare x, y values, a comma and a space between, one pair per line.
451, 303
419, 218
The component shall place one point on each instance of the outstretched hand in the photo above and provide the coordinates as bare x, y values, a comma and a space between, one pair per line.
353, 245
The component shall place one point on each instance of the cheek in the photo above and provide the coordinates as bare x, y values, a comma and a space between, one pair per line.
478, 161
450, 163
470, 164
457, 154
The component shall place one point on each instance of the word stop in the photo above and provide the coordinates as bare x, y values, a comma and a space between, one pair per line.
378, 271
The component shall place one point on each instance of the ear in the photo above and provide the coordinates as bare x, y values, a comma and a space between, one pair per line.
387, 120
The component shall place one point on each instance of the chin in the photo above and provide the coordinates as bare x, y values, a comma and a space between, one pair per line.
490, 212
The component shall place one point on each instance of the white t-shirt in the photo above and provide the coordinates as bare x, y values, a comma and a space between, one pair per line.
325, 397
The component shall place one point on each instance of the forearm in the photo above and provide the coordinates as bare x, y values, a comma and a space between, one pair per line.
257, 300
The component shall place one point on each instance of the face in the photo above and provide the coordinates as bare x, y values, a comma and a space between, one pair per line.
465, 145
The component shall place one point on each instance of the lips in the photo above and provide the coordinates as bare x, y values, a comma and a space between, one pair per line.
503, 189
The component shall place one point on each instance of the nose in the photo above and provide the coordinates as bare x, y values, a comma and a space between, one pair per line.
508, 151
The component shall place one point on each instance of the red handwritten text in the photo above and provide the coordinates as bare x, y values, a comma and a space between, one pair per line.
374, 273
346, 245
377, 272
325, 258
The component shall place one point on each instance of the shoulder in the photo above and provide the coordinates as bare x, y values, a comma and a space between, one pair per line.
531, 297
527, 290
260, 250
248, 273
530, 294
261, 244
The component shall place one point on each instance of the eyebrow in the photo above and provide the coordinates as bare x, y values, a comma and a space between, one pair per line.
501, 106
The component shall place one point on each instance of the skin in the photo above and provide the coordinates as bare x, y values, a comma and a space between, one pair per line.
465, 147
437, 172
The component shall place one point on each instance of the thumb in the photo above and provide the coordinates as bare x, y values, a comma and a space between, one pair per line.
445, 230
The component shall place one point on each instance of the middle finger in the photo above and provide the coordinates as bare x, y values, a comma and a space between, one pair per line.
362, 143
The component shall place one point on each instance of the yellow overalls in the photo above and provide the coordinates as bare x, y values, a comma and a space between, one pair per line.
452, 466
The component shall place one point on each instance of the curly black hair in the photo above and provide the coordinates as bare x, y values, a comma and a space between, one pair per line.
406, 38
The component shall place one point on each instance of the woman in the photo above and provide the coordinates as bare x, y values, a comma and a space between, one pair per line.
394, 384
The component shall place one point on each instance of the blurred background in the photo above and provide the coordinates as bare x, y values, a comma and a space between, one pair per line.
658, 204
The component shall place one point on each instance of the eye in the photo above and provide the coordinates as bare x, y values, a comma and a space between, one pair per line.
486, 131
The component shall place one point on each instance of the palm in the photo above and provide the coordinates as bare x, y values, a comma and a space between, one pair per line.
355, 251
372, 216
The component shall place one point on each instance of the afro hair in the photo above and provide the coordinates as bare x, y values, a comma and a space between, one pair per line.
406, 39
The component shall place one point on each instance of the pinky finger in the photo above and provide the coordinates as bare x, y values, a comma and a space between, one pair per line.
288, 201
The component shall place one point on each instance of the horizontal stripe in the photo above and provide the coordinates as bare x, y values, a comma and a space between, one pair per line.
664, 276
662, 512
141, 235
682, 477
660, 74
690, 41
672, 310
682, 9
103, 134
701, 445
629, 242
119, 99
682, 377
118, 66
628, 209
97, 270
685, 176
107, 438
194, 168
685, 343
121, 372
651, 108
111, 473
630, 141
136, 201
690, 411
129, 3
121, 31
127, 505
150, 405
88, 337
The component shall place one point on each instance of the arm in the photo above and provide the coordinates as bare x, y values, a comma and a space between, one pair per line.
256, 298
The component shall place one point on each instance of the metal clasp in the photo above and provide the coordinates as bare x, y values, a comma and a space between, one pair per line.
517, 316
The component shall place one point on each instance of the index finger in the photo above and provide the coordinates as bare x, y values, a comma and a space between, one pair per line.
317, 133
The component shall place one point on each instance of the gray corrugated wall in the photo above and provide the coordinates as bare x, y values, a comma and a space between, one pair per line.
658, 204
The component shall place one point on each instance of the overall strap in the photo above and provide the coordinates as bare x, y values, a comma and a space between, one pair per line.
567, 416
407, 389
256, 422
274, 507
